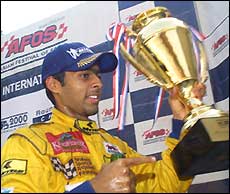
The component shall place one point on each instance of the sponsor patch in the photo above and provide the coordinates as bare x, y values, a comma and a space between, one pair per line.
67, 142
67, 169
88, 127
14, 166
111, 149
84, 166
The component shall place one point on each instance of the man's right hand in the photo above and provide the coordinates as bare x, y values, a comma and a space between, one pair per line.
116, 177
179, 110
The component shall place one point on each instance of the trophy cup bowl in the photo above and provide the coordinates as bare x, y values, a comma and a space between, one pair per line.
163, 51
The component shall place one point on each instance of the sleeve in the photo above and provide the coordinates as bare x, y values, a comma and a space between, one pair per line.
160, 176
176, 128
23, 169
85, 187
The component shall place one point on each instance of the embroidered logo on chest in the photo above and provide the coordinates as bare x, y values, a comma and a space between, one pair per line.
67, 142
77, 166
84, 166
111, 149
67, 169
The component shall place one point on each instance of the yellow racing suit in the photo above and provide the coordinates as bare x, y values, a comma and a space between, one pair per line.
64, 153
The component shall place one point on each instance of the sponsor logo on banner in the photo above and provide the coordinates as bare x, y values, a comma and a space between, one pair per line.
129, 14
25, 49
42, 115
12, 122
137, 80
35, 39
67, 142
129, 19
138, 76
220, 44
14, 166
154, 135
150, 137
107, 114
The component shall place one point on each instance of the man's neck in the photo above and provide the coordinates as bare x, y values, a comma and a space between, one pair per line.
71, 113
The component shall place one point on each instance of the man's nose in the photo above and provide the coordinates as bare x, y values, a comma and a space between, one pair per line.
97, 82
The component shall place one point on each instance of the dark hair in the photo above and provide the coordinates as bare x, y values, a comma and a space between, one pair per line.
60, 77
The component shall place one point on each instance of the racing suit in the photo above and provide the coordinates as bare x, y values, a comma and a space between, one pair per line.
64, 154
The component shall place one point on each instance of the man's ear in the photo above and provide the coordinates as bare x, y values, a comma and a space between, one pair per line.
53, 85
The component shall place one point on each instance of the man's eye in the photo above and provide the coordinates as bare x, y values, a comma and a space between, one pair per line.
99, 76
85, 75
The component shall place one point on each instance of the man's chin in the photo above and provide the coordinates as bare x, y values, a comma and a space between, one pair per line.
92, 112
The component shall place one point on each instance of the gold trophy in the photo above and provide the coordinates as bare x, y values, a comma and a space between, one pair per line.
163, 51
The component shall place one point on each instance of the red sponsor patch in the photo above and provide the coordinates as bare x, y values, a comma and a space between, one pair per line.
67, 142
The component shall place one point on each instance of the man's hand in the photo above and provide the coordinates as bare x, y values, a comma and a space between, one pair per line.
179, 110
117, 177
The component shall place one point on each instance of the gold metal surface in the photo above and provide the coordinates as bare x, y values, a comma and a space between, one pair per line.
163, 51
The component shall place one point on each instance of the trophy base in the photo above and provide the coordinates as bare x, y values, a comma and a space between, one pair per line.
201, 151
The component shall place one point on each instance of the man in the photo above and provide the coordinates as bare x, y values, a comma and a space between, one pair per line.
70, 153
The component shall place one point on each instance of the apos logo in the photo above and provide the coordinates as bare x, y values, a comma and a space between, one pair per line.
130, 19
152, 136
138, 76
220, 44
107, 114
18, 45
137, 73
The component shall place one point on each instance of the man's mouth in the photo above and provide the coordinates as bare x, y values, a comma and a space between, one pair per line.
93, 98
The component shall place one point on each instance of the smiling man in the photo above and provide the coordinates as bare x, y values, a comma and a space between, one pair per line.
70, 153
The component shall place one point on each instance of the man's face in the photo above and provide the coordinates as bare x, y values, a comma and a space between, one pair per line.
81, 93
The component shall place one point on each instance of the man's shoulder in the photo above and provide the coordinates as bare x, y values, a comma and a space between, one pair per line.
33, 134
30, 129
111, 136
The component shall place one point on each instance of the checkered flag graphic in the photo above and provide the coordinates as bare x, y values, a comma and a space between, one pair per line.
68, 169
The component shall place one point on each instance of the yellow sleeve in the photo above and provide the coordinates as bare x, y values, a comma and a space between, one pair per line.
160, 176
23, 168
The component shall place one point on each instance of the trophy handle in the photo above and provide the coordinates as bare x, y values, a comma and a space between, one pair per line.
140, 68
130, 58
131, 33
203, 64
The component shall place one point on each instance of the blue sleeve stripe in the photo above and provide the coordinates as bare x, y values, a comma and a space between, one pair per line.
85, 187
176, 128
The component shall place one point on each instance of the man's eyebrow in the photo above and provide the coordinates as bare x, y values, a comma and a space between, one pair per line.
94, 70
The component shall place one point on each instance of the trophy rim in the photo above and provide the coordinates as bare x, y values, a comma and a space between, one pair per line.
145, 17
